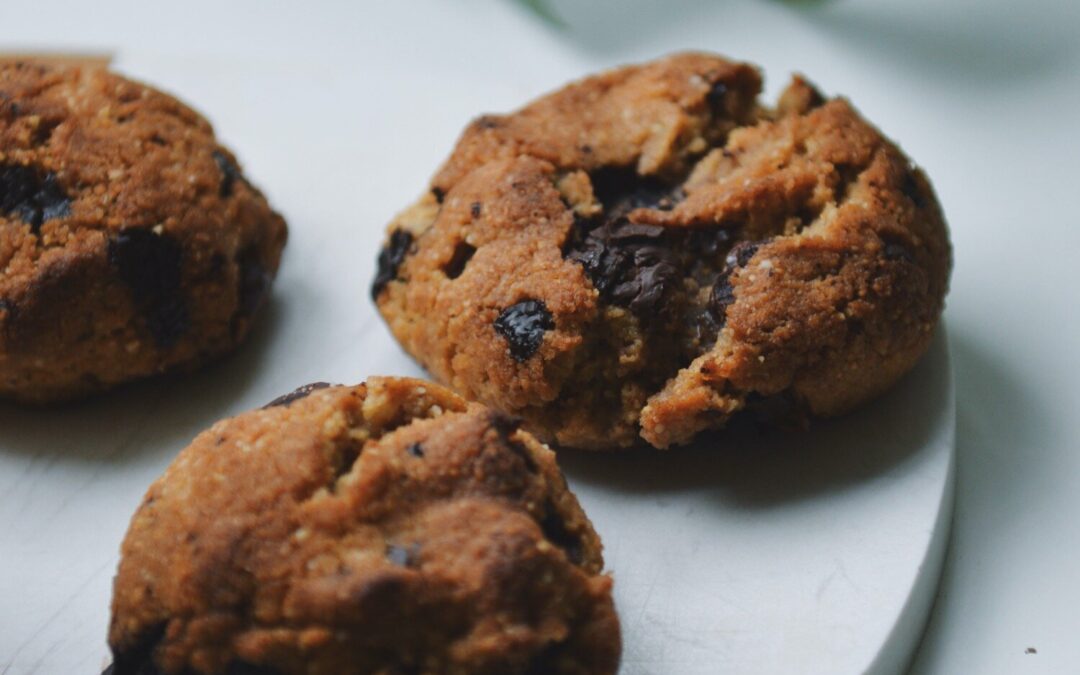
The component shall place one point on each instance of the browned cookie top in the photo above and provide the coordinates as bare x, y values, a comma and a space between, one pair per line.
130, 242
387, 528
649, 251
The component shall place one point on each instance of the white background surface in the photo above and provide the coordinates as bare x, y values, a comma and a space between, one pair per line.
984, 94
810, 553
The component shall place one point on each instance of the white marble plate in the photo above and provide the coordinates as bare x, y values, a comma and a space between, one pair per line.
804, 553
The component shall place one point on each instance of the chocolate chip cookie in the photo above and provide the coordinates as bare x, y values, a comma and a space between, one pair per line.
647, 253
130, 242
387, 528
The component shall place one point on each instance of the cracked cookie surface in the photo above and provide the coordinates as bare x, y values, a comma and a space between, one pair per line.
130, 242
387, 528
686, 253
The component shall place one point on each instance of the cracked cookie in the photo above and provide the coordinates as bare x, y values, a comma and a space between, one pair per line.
386, 528
130, 242
647, 252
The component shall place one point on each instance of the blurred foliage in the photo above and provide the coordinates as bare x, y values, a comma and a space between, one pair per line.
541, 9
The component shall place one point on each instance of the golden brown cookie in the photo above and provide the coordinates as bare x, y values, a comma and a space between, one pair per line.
130, 242
389, 528
649, 251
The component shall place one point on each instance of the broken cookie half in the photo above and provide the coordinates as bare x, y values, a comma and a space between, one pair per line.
650, 251
389, 527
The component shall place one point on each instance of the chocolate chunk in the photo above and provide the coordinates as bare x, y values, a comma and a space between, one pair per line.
31, 195
150, 265
439, 194
603, 265
548, 660
139, 659
721, 297
654, 272
390, 259
628, 263
403, 556
707, 242
216, 269
723, 294
782, 410
717, 95
703, 330
621, 190
463, 253
9, 109
631, 264
254, 281
741, 253
505, 424
897, 251
626, 231
297, 394
815, 99
230, 173
523, 325
912, 189
475, 209
555, 531
896, 246
416, 450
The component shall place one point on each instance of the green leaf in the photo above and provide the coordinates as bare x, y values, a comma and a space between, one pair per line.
541, 9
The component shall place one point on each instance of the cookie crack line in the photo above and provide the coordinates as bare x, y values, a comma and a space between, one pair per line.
687, 246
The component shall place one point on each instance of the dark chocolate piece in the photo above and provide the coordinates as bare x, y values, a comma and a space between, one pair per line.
139, 659
620, 190
254, 282
463, 253
150, 265
912, 189
32, 195
230, 173
717, 95
722, 292
523, 325
297, 394
555, 530
629, 264
390, 259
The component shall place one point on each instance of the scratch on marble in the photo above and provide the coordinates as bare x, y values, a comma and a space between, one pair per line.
838, 571
59, 611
